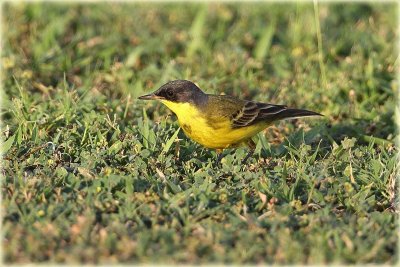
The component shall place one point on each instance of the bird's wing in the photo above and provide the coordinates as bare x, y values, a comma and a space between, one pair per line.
243, 113
253, 112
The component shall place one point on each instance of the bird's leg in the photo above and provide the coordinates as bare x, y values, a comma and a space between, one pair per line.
220, 155
248, 156
252, 147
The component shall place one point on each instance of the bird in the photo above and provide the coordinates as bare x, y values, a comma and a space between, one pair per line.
220, 121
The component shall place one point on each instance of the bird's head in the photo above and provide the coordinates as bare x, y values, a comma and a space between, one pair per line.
178, 91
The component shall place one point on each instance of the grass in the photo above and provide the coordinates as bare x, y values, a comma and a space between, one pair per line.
92, 175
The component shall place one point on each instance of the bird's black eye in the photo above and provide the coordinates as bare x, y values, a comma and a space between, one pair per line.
170, 93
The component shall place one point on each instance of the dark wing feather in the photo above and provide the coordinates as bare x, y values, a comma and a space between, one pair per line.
244, 113
254, 112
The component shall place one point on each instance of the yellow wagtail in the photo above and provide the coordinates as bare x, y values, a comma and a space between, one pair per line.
220, 121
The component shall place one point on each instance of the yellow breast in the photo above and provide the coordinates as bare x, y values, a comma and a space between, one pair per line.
219, 135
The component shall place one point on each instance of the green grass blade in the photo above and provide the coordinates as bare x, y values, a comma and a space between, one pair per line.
263, 45
170, 141
7, 145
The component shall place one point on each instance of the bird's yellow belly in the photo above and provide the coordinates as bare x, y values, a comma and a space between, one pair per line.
218, 137
218, 134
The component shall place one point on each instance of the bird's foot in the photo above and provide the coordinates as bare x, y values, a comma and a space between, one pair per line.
219, 157
247, 156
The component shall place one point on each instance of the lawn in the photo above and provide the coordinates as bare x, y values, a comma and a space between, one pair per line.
93, 175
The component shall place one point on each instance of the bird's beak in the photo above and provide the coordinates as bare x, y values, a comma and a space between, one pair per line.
150, 97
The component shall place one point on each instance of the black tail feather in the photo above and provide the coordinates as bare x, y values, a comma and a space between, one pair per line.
292, 113
254, 112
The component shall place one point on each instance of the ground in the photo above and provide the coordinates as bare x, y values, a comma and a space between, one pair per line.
93, 175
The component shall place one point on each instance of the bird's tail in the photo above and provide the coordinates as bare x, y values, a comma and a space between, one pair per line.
292, 113
270, 113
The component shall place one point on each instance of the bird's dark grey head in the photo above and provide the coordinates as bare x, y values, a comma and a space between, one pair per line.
180, 91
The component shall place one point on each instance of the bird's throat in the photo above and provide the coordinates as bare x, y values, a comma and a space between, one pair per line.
184, 111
